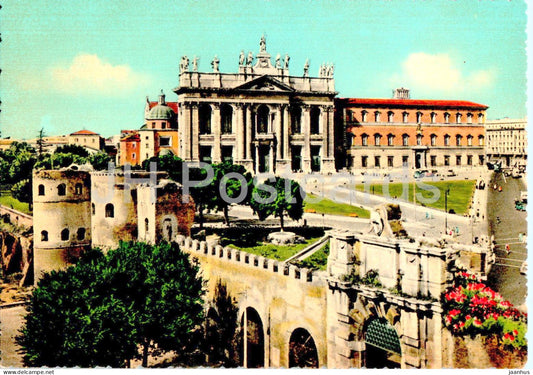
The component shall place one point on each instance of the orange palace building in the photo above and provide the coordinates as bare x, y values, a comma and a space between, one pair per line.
409, 133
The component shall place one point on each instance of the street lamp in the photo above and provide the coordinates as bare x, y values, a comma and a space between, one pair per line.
446, 192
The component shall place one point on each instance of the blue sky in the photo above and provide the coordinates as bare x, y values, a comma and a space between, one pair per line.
71, 65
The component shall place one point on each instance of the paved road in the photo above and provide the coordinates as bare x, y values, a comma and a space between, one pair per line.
10, 323
505, 275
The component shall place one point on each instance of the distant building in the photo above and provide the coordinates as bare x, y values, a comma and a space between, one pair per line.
88, 139
507, 141
410, 133
158, 135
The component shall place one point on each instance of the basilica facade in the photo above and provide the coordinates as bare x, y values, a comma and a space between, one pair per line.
262, 117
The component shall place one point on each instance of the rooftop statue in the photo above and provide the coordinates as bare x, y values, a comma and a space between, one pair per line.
262, 44
214, 63
306, 68
241, 58
287, 58
184, 64
250, 59
278, 61
195, 64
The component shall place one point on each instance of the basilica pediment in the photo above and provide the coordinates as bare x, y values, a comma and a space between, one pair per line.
265, 83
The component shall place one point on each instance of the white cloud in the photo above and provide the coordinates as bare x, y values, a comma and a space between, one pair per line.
88, 74
440, 74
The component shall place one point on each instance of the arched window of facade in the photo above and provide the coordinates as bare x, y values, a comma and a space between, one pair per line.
61, 189
226, 117
419, 117
390, 116
405, 139
81, 234
433, 117
458, 118
79, 189
296, 120
315, 120
405, 116
41, 189
419, 139
433, 139
446, 140
364, 139
364, 116
390, 139
469, 140
480, 118
65, 234
204, 119
446, 117
469, 117
377, 139
109, 210
44, 236
377, 116
458, 139
262, 119
481, 140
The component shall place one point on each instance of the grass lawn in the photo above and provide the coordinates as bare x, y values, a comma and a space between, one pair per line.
7, 200
277, 252
458, 199
329, 207
317, 261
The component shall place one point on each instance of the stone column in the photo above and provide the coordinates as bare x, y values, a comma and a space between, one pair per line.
286, 130
249, 138
324, 129
216, 133
195, 140
185, 130
241, 142
256, 161
306, 127
331, 132
272, 167
277, 131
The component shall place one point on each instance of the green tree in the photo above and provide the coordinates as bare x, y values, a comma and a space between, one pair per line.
72, 149
168, 163
203, 193
22, 191
278, 197
99, 312
99, 161
231, 183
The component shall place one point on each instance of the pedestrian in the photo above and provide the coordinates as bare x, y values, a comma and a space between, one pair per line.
508, 248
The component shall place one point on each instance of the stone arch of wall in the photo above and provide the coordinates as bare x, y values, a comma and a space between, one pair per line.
311, 359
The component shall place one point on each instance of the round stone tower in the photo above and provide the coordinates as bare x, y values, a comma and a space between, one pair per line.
61, 218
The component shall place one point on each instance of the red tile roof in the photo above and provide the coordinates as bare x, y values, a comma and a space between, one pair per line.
414, 103
84, 132
131, 138
173, 105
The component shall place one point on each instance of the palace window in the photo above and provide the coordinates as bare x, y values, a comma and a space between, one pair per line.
296, 120
315, 120
390, 161
481, 140
65, 234
433, 139
377, 116
165, 141
469, 140
364, 116
226, 117
446, 140
433, 160
405, 140
364, 161
446, 117
405, 117
469, 159
405, 161
204, 119
377, 161
390, 116
109, 210
41, 189
364, 139
433, 117
419, 117
469, 117
419, 139
458, 118
446, 160
480, 118
458, 160
481, 159
390, 139
458, 140
61, 189
377, 139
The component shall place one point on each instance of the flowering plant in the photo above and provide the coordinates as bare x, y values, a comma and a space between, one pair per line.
471, 307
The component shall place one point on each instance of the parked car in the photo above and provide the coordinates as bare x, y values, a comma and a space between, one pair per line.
450, 173
421, 173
